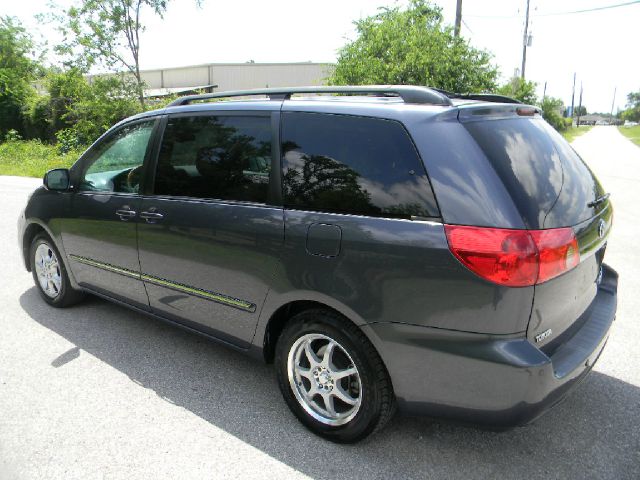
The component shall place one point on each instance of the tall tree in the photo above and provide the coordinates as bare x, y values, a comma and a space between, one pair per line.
18, 69
413, 46
632, 113
520, 89
107, 33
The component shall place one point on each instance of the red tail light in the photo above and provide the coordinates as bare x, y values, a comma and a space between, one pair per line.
515, 258
558, 251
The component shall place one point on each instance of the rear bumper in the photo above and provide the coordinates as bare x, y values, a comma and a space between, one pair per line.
498, 381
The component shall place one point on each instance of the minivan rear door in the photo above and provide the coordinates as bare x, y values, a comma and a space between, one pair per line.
551, 187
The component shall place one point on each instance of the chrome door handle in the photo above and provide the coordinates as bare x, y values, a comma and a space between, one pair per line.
151, 216
125, 213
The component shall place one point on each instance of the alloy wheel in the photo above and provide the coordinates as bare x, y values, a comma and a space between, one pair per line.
48, 270
324, 379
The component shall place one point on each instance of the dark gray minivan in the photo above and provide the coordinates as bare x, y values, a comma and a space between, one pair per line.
386, 247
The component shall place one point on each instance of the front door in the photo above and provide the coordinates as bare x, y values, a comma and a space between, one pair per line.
100, 235
210, 241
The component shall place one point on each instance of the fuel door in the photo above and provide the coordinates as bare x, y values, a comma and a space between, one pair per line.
324, 240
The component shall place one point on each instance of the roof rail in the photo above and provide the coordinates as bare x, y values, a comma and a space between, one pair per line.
485, 97
409, 94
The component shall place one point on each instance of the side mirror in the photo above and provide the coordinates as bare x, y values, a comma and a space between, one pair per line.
57, 180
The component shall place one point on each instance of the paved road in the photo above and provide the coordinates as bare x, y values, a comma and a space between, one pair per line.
97, 391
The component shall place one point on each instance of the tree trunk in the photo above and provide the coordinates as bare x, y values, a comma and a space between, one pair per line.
140, 86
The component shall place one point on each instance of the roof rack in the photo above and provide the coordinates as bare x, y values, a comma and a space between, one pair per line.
409, 94
484, 97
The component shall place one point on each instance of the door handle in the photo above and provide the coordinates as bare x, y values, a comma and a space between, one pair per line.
151, 216
125, 213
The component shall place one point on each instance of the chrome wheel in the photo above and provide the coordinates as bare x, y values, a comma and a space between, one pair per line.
48, 270
324, 379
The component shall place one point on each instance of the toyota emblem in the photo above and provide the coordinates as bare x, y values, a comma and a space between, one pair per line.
601, 227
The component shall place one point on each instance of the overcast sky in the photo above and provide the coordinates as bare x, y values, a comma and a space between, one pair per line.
601, 46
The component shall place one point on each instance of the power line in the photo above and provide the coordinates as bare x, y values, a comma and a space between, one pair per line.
467, 26
595, 9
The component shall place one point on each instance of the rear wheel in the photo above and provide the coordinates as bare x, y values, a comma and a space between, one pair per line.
50, 274
332, 378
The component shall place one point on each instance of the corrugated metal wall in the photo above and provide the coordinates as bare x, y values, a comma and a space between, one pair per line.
235, 76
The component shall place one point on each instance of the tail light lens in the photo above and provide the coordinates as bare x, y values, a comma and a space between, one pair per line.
514, 258
558, 251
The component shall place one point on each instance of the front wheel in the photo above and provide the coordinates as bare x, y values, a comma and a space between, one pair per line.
332, 378
50, 275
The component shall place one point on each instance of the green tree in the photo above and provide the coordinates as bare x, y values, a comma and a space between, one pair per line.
520, 89
552, 109
76, 111
581, 110
578, 110
632, 113
107, 33
106, 101
17, 70
47, 113
413, 46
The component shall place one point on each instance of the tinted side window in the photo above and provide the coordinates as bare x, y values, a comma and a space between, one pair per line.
115, 165
218, 157
357, 165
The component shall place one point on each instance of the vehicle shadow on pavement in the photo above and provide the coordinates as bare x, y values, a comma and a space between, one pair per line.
595, 433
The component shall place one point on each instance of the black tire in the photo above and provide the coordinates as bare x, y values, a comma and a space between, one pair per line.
66, 296
378, 401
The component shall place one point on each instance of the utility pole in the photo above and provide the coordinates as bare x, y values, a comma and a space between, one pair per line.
579, 106
573, 94
458, 18
544, 91
612, 104
525, 39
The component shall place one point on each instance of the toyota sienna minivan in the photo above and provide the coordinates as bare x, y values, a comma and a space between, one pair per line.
386, 247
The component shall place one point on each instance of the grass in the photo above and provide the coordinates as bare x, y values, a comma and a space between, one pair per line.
571, 133
32, 158
632, 133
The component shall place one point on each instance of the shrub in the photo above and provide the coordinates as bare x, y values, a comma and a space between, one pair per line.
80, 109
68, 141
12, 136
520, 89
551, 108
17, 71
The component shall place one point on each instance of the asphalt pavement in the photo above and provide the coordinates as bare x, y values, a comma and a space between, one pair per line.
99, 392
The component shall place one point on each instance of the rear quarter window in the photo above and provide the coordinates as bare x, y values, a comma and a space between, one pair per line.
353, 165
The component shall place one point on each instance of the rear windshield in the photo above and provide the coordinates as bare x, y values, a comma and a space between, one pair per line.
549, 183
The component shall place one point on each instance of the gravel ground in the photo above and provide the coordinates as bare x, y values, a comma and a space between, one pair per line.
97, 391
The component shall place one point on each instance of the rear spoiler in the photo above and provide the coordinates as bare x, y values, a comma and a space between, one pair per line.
471, 111
483, 97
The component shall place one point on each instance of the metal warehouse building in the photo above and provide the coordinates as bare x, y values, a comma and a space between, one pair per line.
233, 76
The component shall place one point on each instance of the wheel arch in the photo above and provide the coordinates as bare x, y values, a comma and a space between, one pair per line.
31, 230
269, 330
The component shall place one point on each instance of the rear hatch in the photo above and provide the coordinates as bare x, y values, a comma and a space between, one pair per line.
551, 188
